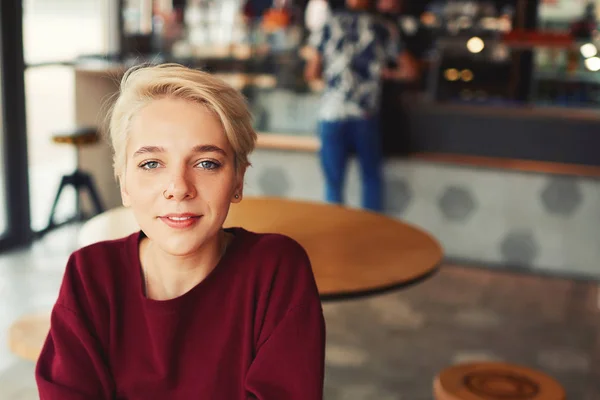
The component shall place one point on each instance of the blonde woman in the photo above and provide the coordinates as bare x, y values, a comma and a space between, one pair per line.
184, 309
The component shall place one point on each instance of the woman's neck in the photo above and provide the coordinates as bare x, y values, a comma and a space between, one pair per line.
167, 276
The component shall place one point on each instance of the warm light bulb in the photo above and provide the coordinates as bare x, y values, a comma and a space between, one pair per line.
475, 45
451, 74
466, 75
588, 50
409, 25
593, 64
428, 18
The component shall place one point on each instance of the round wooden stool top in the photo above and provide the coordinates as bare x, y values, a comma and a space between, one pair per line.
78, 137
495, 381
26, 336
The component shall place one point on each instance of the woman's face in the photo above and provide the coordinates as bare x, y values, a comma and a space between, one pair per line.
180, 175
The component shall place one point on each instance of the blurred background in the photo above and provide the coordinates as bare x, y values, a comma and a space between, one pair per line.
494, 151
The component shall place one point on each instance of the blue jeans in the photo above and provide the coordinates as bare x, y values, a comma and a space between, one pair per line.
338, 139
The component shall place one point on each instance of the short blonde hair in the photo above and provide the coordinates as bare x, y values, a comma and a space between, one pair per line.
143, 84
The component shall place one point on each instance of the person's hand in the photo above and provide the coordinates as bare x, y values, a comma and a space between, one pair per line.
408, 73
312, 70
407, 69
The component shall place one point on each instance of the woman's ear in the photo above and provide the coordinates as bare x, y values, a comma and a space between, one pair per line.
238, 190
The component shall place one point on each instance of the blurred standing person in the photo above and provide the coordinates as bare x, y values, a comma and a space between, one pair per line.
351, 52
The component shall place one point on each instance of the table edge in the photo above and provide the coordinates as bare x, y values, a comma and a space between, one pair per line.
378, 290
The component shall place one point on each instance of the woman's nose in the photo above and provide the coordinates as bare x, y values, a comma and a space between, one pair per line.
180, 187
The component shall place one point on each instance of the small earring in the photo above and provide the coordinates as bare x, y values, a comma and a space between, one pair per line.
237, 196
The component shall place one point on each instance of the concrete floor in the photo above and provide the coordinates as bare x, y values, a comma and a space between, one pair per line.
388, 346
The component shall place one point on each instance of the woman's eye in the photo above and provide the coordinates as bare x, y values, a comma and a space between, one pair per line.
150, 165
208, 165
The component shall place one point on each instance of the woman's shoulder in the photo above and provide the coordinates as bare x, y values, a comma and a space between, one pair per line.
104, 259
108, 249
273, 259
277, 266
95, 272
275, 246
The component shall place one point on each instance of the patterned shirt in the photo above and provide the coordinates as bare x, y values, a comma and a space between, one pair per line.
355, 47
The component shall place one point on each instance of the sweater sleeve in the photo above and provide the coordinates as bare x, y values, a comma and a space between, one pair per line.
290, 364
290, 353
71, 365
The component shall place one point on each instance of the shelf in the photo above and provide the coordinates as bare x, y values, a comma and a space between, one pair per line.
277, 141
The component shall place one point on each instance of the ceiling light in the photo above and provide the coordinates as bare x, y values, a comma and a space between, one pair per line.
475, 45
588, 50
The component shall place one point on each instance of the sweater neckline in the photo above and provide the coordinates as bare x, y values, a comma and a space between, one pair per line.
174, 303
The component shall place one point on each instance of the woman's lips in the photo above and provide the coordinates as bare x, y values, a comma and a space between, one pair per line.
180, 221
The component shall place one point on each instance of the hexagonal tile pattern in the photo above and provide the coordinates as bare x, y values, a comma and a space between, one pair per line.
397, 196
457, 203
273, 181
519, 248
562, 196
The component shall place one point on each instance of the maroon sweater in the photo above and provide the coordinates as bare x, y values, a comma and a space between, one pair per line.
253, 329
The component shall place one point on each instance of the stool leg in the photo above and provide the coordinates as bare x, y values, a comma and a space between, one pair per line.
86, 181
78, 209
95, 196
63, 183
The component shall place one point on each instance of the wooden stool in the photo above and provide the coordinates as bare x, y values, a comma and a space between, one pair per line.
495, 381
79, 179
26, 335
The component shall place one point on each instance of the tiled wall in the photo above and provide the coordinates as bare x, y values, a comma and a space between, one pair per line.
485, 216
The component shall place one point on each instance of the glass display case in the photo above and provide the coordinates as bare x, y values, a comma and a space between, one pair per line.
542, 54
470, 60
568, 75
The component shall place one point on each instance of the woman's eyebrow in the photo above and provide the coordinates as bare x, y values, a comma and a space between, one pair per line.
205, 148
209, 148
148, 149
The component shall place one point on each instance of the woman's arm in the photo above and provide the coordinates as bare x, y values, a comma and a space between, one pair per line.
72, 365
290, 364
289, 359
313, 53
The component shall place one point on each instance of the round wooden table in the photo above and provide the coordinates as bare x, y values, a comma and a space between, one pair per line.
353, 252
